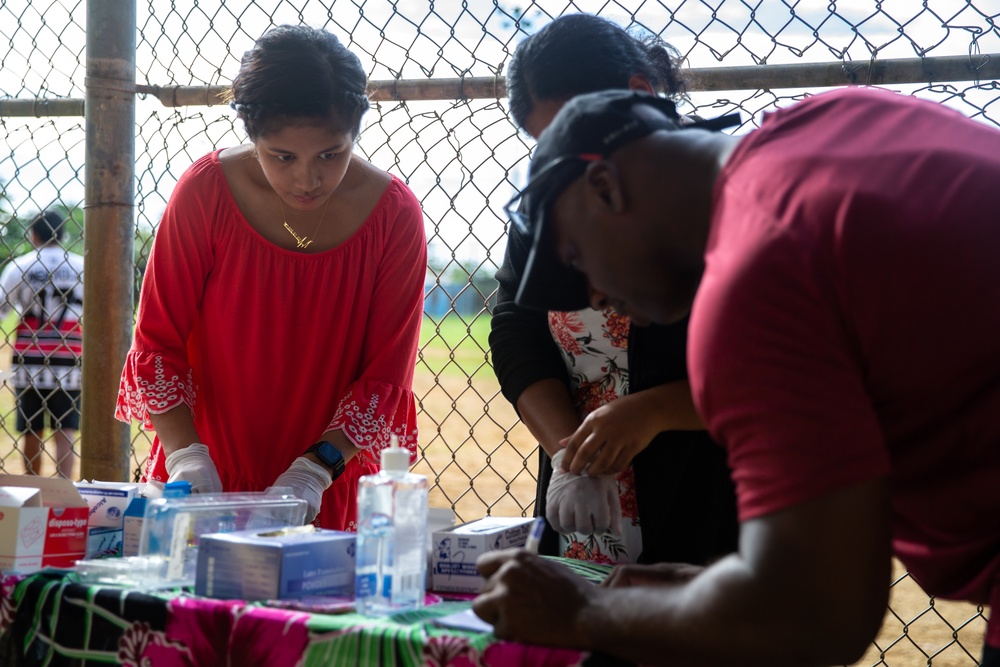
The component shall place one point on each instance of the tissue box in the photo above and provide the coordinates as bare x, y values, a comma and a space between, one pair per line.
276, 564
43, 522
108, 501
456, 550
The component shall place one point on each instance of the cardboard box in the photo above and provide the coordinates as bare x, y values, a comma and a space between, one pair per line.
132, 527
108, 501
456, 550
276, 564
104, 542
43, 523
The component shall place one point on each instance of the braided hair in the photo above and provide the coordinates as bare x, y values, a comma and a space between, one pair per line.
298, 75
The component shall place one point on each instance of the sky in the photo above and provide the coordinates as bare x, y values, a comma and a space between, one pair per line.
463, 160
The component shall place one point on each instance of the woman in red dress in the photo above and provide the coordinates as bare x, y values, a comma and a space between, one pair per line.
280, 310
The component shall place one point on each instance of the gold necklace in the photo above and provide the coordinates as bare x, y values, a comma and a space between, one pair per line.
302, 241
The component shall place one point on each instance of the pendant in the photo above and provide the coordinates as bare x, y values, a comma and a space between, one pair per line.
300, 241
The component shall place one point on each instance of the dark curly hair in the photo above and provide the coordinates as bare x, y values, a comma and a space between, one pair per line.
583, 53
298, 75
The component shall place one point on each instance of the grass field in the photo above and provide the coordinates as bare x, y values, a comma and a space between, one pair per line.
480, 459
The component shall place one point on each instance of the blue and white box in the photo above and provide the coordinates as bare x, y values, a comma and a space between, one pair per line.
453, 565
103, 542
108, 501
296, 562
135, 514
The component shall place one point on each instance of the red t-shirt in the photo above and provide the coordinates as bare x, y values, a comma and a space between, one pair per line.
847, 326
270, 348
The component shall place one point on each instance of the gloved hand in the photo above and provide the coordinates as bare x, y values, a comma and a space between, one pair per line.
308, 481
580, 504
193, 464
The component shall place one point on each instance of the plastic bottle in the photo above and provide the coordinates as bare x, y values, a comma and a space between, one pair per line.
391, 564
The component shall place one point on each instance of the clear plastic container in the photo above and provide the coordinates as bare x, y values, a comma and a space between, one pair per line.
172, 528
391, 566
134, 571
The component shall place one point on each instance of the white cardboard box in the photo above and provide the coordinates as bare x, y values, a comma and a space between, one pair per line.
108, 501
43, 522
132, 526
457, 548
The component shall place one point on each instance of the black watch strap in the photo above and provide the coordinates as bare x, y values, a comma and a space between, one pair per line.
329, 456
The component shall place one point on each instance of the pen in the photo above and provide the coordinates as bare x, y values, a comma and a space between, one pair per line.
535, 536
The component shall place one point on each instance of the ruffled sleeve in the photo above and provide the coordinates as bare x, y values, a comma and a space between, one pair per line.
380, 402
158, 373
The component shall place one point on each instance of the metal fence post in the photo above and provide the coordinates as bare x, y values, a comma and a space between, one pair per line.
109, 229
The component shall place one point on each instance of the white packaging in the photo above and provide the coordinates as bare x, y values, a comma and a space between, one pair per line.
135, 514
456, 550
108, 501
43, 522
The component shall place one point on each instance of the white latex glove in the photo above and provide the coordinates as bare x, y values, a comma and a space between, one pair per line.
193, 464
580, 504
308, 481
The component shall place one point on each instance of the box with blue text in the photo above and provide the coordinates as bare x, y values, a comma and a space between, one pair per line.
108, 501
453, 566
276, 564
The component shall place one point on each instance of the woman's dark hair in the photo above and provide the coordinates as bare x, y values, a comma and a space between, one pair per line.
299, 75
583, 53
48, 226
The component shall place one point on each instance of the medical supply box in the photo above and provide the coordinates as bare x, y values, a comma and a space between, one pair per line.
108, 501
43, 522
276, 564
457, 548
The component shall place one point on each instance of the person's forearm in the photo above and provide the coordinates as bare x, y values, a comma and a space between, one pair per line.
685, 624
671, 405
546, 409
175, 429
801, 595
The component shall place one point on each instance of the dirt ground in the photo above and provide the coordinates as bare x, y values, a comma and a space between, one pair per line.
479, 459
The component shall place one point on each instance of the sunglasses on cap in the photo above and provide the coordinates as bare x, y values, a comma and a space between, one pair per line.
519, 208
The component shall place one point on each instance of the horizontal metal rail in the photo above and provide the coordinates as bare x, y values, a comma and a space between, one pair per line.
944, 69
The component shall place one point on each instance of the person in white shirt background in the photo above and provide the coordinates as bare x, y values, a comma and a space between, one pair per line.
45, 287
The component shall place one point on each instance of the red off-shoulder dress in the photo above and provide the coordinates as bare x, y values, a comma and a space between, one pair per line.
270, 348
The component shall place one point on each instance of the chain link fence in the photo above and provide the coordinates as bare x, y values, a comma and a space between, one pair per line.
439, 122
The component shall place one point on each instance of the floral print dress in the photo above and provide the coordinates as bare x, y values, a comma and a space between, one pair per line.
594, 345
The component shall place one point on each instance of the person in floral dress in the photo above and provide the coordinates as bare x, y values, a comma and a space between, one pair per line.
587, 379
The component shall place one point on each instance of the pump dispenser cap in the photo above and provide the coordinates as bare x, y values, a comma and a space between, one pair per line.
394, 457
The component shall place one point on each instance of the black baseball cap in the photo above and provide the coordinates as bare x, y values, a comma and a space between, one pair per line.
588, 128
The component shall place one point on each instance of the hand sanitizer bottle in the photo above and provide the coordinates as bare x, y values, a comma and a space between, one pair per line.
392, 537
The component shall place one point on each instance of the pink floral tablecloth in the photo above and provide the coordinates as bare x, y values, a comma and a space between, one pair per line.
50, 618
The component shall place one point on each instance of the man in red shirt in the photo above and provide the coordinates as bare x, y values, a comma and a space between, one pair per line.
840, 269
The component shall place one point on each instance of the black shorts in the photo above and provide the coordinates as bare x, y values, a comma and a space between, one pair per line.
62, 407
